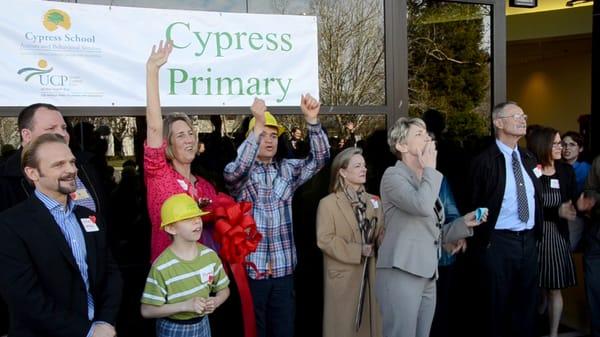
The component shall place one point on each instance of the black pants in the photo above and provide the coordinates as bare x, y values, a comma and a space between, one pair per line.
510, 276
274, 306
445, 306
591, 259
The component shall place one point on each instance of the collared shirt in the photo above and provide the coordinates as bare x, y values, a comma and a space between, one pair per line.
581, 169
270, 188
69, 226
83, 197
508, 218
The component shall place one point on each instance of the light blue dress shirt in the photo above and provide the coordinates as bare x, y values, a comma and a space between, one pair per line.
509, 211
69, 226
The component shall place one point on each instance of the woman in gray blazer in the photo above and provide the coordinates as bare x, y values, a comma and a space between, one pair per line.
413, 215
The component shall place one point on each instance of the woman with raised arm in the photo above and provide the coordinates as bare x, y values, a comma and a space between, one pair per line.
170, 147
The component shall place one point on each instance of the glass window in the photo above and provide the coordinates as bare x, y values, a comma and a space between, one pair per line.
449, 60
9, 136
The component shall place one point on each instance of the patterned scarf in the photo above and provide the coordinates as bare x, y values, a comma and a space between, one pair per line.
358, 201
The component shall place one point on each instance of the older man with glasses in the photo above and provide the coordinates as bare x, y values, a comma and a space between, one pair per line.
503, 179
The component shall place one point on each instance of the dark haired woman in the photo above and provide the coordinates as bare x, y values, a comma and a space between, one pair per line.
556, 270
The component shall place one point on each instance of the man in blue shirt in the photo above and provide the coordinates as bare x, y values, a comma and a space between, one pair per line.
58, 277
504, 179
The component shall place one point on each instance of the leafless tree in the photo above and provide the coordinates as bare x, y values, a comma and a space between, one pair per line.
8, 131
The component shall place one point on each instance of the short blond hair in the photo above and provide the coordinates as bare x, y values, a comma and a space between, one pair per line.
399, 132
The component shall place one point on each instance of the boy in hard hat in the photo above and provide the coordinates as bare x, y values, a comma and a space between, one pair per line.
257, 176
183, 277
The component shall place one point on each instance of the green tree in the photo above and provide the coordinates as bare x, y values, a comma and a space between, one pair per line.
449, 64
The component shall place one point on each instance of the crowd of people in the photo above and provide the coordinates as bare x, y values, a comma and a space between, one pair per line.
382, 237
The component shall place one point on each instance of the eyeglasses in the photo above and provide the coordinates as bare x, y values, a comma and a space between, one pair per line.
517, 117
557, 144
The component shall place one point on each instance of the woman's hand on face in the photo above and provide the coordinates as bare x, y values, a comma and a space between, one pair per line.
428, 158
159, 56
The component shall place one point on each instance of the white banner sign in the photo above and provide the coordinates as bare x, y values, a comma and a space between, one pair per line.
89, 55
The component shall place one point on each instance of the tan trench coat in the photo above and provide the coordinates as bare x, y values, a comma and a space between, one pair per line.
339, 238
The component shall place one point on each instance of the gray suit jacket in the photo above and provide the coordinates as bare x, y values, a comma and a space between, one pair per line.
411, 241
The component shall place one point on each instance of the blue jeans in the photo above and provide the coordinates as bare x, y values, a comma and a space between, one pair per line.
274, 306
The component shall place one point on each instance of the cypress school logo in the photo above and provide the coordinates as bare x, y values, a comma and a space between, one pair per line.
29, 72
55, 18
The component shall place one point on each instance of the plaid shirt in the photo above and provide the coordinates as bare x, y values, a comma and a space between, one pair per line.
270, 188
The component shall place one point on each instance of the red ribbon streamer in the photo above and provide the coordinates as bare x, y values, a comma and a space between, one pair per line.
235, 231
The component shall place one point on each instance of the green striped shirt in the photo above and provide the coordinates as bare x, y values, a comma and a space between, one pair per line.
173, 280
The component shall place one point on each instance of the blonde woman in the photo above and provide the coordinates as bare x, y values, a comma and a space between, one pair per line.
414, 215
169, 150
349, 227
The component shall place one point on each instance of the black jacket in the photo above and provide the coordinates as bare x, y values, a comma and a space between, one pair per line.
40, 279
568, 191
14, 188
487, 182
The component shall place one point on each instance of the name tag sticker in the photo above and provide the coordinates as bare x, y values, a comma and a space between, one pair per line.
206, 274
537, 171
81, 193
89, 225
554, 183
182, 184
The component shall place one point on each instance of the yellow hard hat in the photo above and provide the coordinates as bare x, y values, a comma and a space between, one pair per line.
179, 207
269, 121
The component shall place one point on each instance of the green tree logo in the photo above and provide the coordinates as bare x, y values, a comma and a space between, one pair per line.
55, 18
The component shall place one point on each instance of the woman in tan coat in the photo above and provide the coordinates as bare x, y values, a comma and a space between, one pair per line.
349, 227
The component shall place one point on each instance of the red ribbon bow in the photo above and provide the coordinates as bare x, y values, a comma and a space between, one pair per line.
235, 231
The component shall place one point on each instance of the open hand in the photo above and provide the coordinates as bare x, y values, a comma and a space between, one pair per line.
585, 203
310, 108
159, 56
567, 211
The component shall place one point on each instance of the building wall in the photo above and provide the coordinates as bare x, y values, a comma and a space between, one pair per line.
551, 79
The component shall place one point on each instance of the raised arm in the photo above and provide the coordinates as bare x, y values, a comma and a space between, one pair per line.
157, 58
304, 169
310, 108
236, 173
258, 109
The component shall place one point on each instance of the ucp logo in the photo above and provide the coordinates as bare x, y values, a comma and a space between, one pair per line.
43, 74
